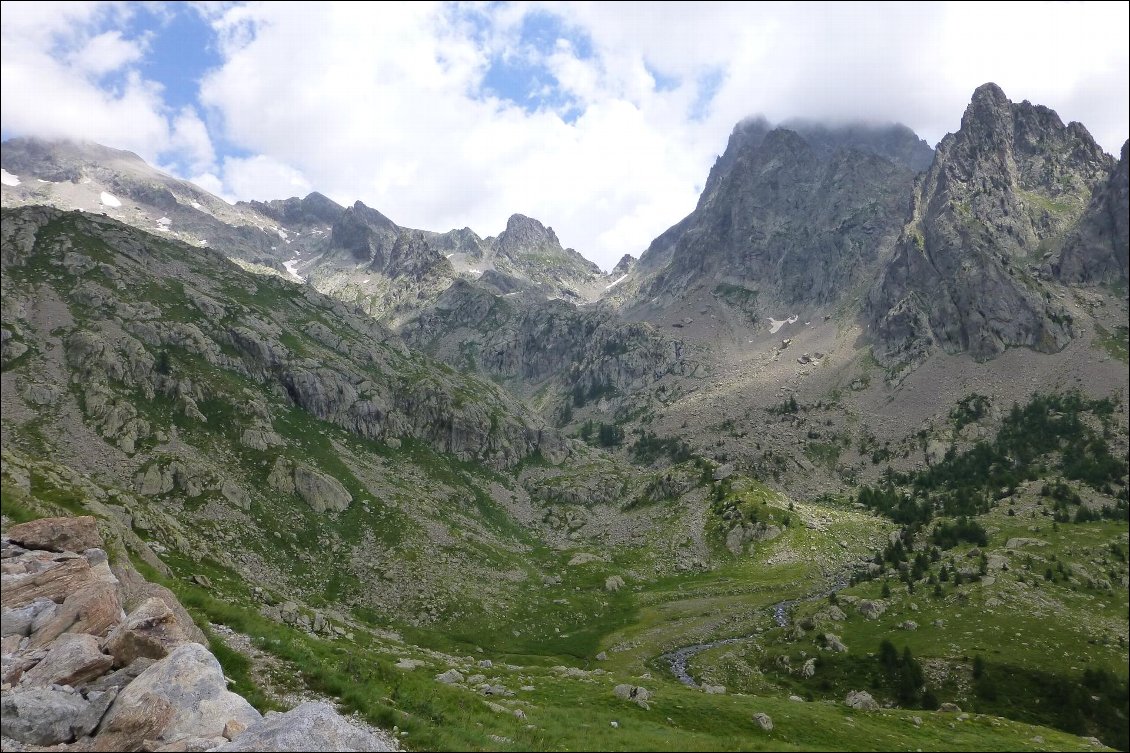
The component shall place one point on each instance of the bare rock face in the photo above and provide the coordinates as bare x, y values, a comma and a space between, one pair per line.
18, 621
59, 663
861, 700
1098, 249
48, 716
590, 351
136, 590
150, 631
321, 492
365, 382
310, 727
74, 659
790, 215
58, 534
189, 689
94, 608
54, 583
1001, 193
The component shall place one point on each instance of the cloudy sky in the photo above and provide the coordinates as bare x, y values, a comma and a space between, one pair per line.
600, 119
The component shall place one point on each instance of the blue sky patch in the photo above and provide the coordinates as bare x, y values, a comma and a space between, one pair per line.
708, 85
524, 79
181, 50
663, 82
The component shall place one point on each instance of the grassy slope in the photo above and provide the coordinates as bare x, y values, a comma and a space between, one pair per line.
527, 626
570, 712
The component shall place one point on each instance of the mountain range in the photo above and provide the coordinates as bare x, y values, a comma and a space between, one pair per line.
358, 443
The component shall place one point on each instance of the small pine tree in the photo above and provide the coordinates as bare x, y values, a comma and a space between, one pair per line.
886, 590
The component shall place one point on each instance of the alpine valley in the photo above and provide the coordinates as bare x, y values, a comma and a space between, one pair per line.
839, 462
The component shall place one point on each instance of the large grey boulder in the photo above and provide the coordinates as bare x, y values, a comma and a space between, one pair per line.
450, 677
872, 609
150, 631
48, 716
319, 491
19, 621
58, 534
639, 695
833, 643
861, 700
1001, 190
183, 695
311, 727
73, 659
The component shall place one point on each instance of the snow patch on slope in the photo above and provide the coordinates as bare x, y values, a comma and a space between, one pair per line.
292, 268
110, 200
615, 282
776, 324
8, 179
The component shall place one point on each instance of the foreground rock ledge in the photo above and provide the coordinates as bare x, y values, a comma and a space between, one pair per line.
79, 674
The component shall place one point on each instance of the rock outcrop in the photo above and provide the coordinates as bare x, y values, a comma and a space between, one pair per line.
789, 215
357, 376
58, 685
312, 727
1097, 250
861, 700
587, 353
1001, 193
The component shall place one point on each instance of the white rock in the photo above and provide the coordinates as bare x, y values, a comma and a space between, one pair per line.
190, 683
313, 726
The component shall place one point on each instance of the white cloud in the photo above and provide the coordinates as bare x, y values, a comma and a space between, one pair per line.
56, 62
385, 103
211, 183
105, 53
263, 177
191, 141
392, 103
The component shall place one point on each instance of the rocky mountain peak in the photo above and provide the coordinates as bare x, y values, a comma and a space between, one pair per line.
59, 160
530, 250
749, 132
785, 142
321, 207
1000, 196
893, 141
746, 136
624, 266
372, 217
524, 233
786, 218
365, 232
315, 209
988, 95
1098, 249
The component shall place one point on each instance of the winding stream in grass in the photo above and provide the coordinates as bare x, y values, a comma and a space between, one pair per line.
677, 659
